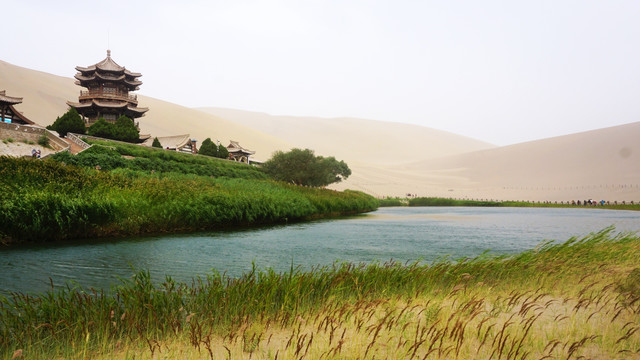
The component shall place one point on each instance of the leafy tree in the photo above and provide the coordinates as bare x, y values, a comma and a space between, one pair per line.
207, 148
156, 143
302, 167
101, 128
69, 122
223, 153
124, 129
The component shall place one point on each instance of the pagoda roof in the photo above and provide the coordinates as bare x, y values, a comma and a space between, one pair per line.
111, 105
95, 75
9, 99
133, 84
107, 65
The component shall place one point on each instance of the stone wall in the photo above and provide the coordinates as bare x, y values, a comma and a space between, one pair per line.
31, 133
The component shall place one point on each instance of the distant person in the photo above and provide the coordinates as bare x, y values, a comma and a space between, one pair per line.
38, 153
33, 153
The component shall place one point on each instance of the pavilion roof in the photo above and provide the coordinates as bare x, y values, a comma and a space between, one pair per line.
235, 147
9, 99
172, 142
107, 65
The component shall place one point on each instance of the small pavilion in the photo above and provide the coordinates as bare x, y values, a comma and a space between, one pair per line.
107, 96
182, 143
8, 113
238, 153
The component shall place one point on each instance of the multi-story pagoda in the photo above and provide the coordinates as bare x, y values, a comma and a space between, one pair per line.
108, 85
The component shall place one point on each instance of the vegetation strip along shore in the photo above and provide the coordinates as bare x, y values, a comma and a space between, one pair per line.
436, 201
578, 299
166, 191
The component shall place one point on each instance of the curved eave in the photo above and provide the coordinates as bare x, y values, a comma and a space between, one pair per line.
137, 110
124, 107
132, 73
10, 100
97, 75
80, 105
241, 151
86, 69
98, 104
134, 83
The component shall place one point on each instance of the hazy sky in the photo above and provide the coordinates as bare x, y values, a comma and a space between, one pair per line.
500, 71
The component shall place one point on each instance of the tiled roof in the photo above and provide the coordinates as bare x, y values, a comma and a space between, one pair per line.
107, 65
235, 147
9, 99
172, 142
111, 105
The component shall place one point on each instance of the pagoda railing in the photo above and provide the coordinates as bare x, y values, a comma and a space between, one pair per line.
108, 94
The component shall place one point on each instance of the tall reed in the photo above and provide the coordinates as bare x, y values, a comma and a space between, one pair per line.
570, 300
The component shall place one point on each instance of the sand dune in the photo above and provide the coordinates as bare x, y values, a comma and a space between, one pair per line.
357, 141
599, 164
387, 159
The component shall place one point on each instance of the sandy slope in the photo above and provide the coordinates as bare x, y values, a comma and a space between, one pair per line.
387, 158
599, 164
357, 141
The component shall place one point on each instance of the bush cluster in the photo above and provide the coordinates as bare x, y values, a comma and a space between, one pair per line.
68, 122
210, 149
108, 156
124, 129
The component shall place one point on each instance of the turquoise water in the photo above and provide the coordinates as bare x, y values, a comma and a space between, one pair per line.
400, 234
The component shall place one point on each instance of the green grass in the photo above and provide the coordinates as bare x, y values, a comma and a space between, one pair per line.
50, 200
578, 298
389, 201
435, 201
108, 155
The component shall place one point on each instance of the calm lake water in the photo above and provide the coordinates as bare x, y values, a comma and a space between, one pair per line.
400, 234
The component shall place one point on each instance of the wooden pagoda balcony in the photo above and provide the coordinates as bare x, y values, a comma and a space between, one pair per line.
113, 95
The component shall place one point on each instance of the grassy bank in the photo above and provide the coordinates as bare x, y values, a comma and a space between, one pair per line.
435, 201
53, 200
111, 155
580, 299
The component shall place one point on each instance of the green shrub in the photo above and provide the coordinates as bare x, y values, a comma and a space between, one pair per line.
43, 141
208, 148
124, 129
69, 122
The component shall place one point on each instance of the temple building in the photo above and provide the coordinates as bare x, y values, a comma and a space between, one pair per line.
8, 113
238, 153
181, 143
107, 96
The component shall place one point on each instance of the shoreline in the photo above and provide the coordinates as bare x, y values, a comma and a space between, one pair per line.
439, 201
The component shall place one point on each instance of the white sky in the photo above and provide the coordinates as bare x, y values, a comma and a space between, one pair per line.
499, 71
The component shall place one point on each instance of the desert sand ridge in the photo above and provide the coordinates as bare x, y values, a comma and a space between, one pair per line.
387, 159
357, 141
597, 164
